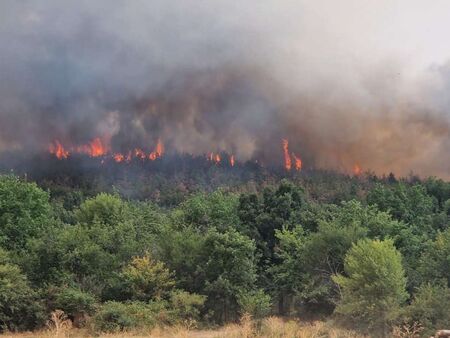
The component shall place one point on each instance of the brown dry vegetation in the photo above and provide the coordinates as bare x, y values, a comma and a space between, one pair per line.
271, 327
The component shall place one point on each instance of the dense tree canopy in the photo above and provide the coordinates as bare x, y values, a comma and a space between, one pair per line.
370, 251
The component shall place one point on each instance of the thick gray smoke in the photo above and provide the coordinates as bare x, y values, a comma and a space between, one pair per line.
347, 83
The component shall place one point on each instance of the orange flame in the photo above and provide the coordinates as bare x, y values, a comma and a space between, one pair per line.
287, 157
232, 160
118, 157
357, 170
95, 148
139, 153
217, 159
159, 148
58, 150
158, 152
297, 162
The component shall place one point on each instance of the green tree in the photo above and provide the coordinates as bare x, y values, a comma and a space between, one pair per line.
204, 211
429, 308
20, 308
147, 279
408, 203
25, 212
434, 264
374, 286
104, 208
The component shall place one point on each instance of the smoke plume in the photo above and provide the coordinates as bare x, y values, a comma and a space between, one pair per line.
346, 82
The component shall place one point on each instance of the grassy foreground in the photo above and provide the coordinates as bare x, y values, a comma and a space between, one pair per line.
271, 327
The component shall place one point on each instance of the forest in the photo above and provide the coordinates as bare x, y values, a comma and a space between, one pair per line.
364, 252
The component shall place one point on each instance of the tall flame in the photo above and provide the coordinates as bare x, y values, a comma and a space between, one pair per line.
217, 159
158, 152
159, 148
297, 162
287, 157
58, 150
232, 160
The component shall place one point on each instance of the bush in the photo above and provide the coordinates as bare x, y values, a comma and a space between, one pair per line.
430, 308
115, 316
76, 304
255, 303
185, 305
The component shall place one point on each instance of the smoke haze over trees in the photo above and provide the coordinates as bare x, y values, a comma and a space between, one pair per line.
345, 83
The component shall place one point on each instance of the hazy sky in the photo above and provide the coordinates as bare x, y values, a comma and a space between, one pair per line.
346, 81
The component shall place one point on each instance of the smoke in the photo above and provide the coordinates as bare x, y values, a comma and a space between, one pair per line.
346, 82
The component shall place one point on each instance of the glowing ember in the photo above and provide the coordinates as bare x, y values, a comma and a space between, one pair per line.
119, 157
357, 170
139, 153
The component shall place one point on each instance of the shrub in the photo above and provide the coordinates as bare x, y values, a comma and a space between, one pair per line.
255, 303
115, 316
430, 308
76, 304
185, 305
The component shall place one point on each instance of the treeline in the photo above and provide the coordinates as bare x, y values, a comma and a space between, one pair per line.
368, 253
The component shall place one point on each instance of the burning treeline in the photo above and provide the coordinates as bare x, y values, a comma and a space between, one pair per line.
102, 149
218, 80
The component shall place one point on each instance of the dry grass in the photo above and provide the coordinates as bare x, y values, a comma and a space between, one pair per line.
271, 327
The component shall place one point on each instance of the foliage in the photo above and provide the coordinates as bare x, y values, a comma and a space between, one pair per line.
25, 212
375, 287
206, 244
185, 306
115, 316
147, 279
429, 308
75, 302
255, 303
20, 308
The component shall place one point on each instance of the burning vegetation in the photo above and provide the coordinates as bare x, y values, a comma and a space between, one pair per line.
100, 148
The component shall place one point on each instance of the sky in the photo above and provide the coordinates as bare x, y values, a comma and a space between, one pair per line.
347, 82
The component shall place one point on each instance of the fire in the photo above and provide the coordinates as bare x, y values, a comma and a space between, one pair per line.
232, 160
287, 157
297, 162
118, 157
58, 150
217, 159
139, 153
158, 152
357, 170
95, 148
159, 148
99, 148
